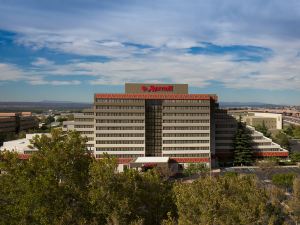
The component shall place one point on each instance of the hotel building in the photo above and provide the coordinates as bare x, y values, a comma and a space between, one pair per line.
163, 120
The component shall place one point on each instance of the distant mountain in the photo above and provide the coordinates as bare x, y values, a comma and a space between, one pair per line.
247, 104
42, 106
53, 101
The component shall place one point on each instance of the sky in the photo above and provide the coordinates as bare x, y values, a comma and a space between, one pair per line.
67, 50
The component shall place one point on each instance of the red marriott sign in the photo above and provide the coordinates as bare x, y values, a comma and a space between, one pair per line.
154, 88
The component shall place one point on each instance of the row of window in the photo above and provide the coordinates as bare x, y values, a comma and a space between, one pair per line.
121, 149
185, 101
118, 100
121, 142
187, 128
86, 132
118, 107
88, 113
85, 119
119, 121
261, 143
201, 155
186, 114
119, 128
185, 148
120, 135
121, 156
184, 141
118, 114
84, 126
186, 107
185, 121
267, 150
186, 135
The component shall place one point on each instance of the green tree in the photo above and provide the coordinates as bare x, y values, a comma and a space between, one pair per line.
49, 120
49, 188
242, 145
61, 119
196, 168
289, 129
263, 129
224, 200
129, 197
283, 140
295, 156
296, 132
284, 179
295, 201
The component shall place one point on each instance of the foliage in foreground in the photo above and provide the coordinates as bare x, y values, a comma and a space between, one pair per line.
63, 184
225, 200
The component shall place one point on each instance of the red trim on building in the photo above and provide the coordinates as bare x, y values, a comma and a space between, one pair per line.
191, 160
158, 96
272, 154
24, 156
124, 160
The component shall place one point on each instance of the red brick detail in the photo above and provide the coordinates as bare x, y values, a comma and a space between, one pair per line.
191, 160
124, 160
158, 96
24, 156
272, 154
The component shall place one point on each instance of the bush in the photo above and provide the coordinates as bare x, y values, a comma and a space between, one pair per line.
284, 180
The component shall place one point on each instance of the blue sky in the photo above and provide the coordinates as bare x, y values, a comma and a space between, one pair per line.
70, 49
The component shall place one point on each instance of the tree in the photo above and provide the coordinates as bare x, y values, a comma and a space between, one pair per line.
263, 129
295, 201
242, 145
125, 198
49, 120
284, 180
195, 168
283, 140
224, 200
296, 132
295, 156
61, 119
49, 188
289, 129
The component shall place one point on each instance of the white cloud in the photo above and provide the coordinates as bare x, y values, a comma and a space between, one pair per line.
42, 62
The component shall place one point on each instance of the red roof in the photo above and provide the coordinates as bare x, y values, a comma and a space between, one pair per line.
159, 96
190, 160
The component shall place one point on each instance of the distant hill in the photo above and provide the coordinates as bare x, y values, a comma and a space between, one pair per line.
42, 106
247, 104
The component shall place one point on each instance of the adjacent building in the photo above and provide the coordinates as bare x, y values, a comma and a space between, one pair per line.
16, 122
273, 121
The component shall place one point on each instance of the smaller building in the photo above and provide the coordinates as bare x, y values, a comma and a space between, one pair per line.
20, 146
273, 121
68, 125
16, 122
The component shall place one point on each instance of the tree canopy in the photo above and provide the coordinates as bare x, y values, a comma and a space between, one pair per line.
243, 145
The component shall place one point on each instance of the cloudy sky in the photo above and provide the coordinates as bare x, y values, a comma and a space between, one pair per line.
70, 49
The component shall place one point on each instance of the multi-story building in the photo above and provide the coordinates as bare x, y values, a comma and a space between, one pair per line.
225, 130
16, 122
159, 123
163, 120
